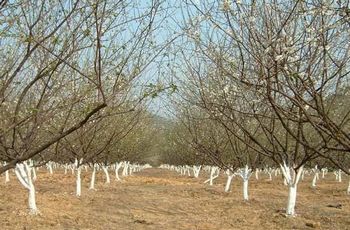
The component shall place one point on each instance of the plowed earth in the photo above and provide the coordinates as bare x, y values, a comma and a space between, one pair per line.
162, 199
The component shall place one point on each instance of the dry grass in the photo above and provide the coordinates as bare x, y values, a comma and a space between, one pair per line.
160, 199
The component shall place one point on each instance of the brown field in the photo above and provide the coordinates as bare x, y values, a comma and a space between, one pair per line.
161, 199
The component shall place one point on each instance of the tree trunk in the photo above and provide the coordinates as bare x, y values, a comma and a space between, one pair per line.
196, 171
292, 197
50, 168
105, 170
7, 176
313, 184
125, 169
78, 182
228, 182
245, 190
292, 178
93, 176
23, 173
31, 200
117, 167
34, 174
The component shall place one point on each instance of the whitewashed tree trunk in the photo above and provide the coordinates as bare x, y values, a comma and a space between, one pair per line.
49, 166
7, 176
314, 179
78, 182
188, 171
34, 173
93, 176
339, 175
105, 170
65, 169
229, 180
131, 167
292, 197
292, 178
348, 190
117, 167
316, 176
324, 171
245, 189
303, 175
196, 171
23, 173
245, 173
125, 169
257, 174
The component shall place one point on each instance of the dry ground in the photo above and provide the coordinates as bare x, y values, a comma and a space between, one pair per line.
161, 199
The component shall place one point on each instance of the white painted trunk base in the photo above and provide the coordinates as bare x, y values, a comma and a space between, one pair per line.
92, 182
196, 171
24, 175
117, 167
34, 174
292, 178
105, 170
32, 201
78, 183
7, 176
314, 180
245, 190
292, 197
270, 176
228, 183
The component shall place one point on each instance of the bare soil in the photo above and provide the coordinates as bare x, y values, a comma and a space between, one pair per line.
162, 199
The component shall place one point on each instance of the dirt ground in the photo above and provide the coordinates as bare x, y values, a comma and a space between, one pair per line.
161, 199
